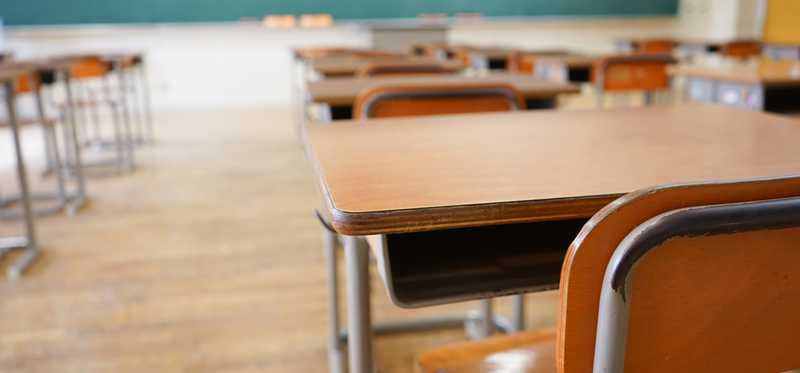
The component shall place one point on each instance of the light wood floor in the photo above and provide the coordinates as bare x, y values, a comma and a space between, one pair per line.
206, 259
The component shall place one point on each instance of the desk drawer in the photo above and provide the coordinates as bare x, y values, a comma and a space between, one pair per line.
426, 268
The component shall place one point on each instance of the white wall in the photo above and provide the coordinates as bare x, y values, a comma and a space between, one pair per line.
197, 67
590, 35
721, 19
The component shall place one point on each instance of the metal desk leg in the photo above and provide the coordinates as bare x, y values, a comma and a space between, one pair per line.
31, 249
128, 137
72, 147
358, 306
335, 344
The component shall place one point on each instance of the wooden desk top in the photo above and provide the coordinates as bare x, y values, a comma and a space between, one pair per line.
768, 73
416, 174
343, 91
347, 65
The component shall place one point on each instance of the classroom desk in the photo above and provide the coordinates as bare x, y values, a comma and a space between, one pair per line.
772, 86
344, 66
473, 206
340, 93
9, 73
574, 68
49, 72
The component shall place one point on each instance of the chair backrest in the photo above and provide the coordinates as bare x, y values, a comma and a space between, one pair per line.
402, 68
27, 83
655, 46
416, 100
640, 72
719, 294
742, 49
90, 67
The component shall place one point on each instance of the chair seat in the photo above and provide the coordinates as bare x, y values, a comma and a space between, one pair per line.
526, 352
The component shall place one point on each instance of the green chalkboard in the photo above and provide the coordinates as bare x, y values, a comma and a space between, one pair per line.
53, 12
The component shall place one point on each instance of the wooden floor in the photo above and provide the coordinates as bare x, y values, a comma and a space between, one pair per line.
206, 259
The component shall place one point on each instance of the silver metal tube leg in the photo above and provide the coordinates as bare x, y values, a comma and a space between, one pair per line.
335, 344
649, 98
126, 116
358, 306
23, 263
599, 99
487, 317
95, 114
518, 313
51, 148
71, 133
48, 151
119, 144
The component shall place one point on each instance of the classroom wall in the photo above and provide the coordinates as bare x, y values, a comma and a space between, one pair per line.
721, 19
200, 66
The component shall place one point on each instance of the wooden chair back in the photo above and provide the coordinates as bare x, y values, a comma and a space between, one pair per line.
27, 83
90, 67
721, 302
632, 73
656, 46
402, 69
415, 100
741, 49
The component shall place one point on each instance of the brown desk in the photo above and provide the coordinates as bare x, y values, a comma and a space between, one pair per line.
481, 205
768, 85
340, 93
344, 66
479, 169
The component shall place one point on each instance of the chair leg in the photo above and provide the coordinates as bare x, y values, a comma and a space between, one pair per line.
599, 99
72, 145
119, 145
649, 98
487, 317
518, 309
